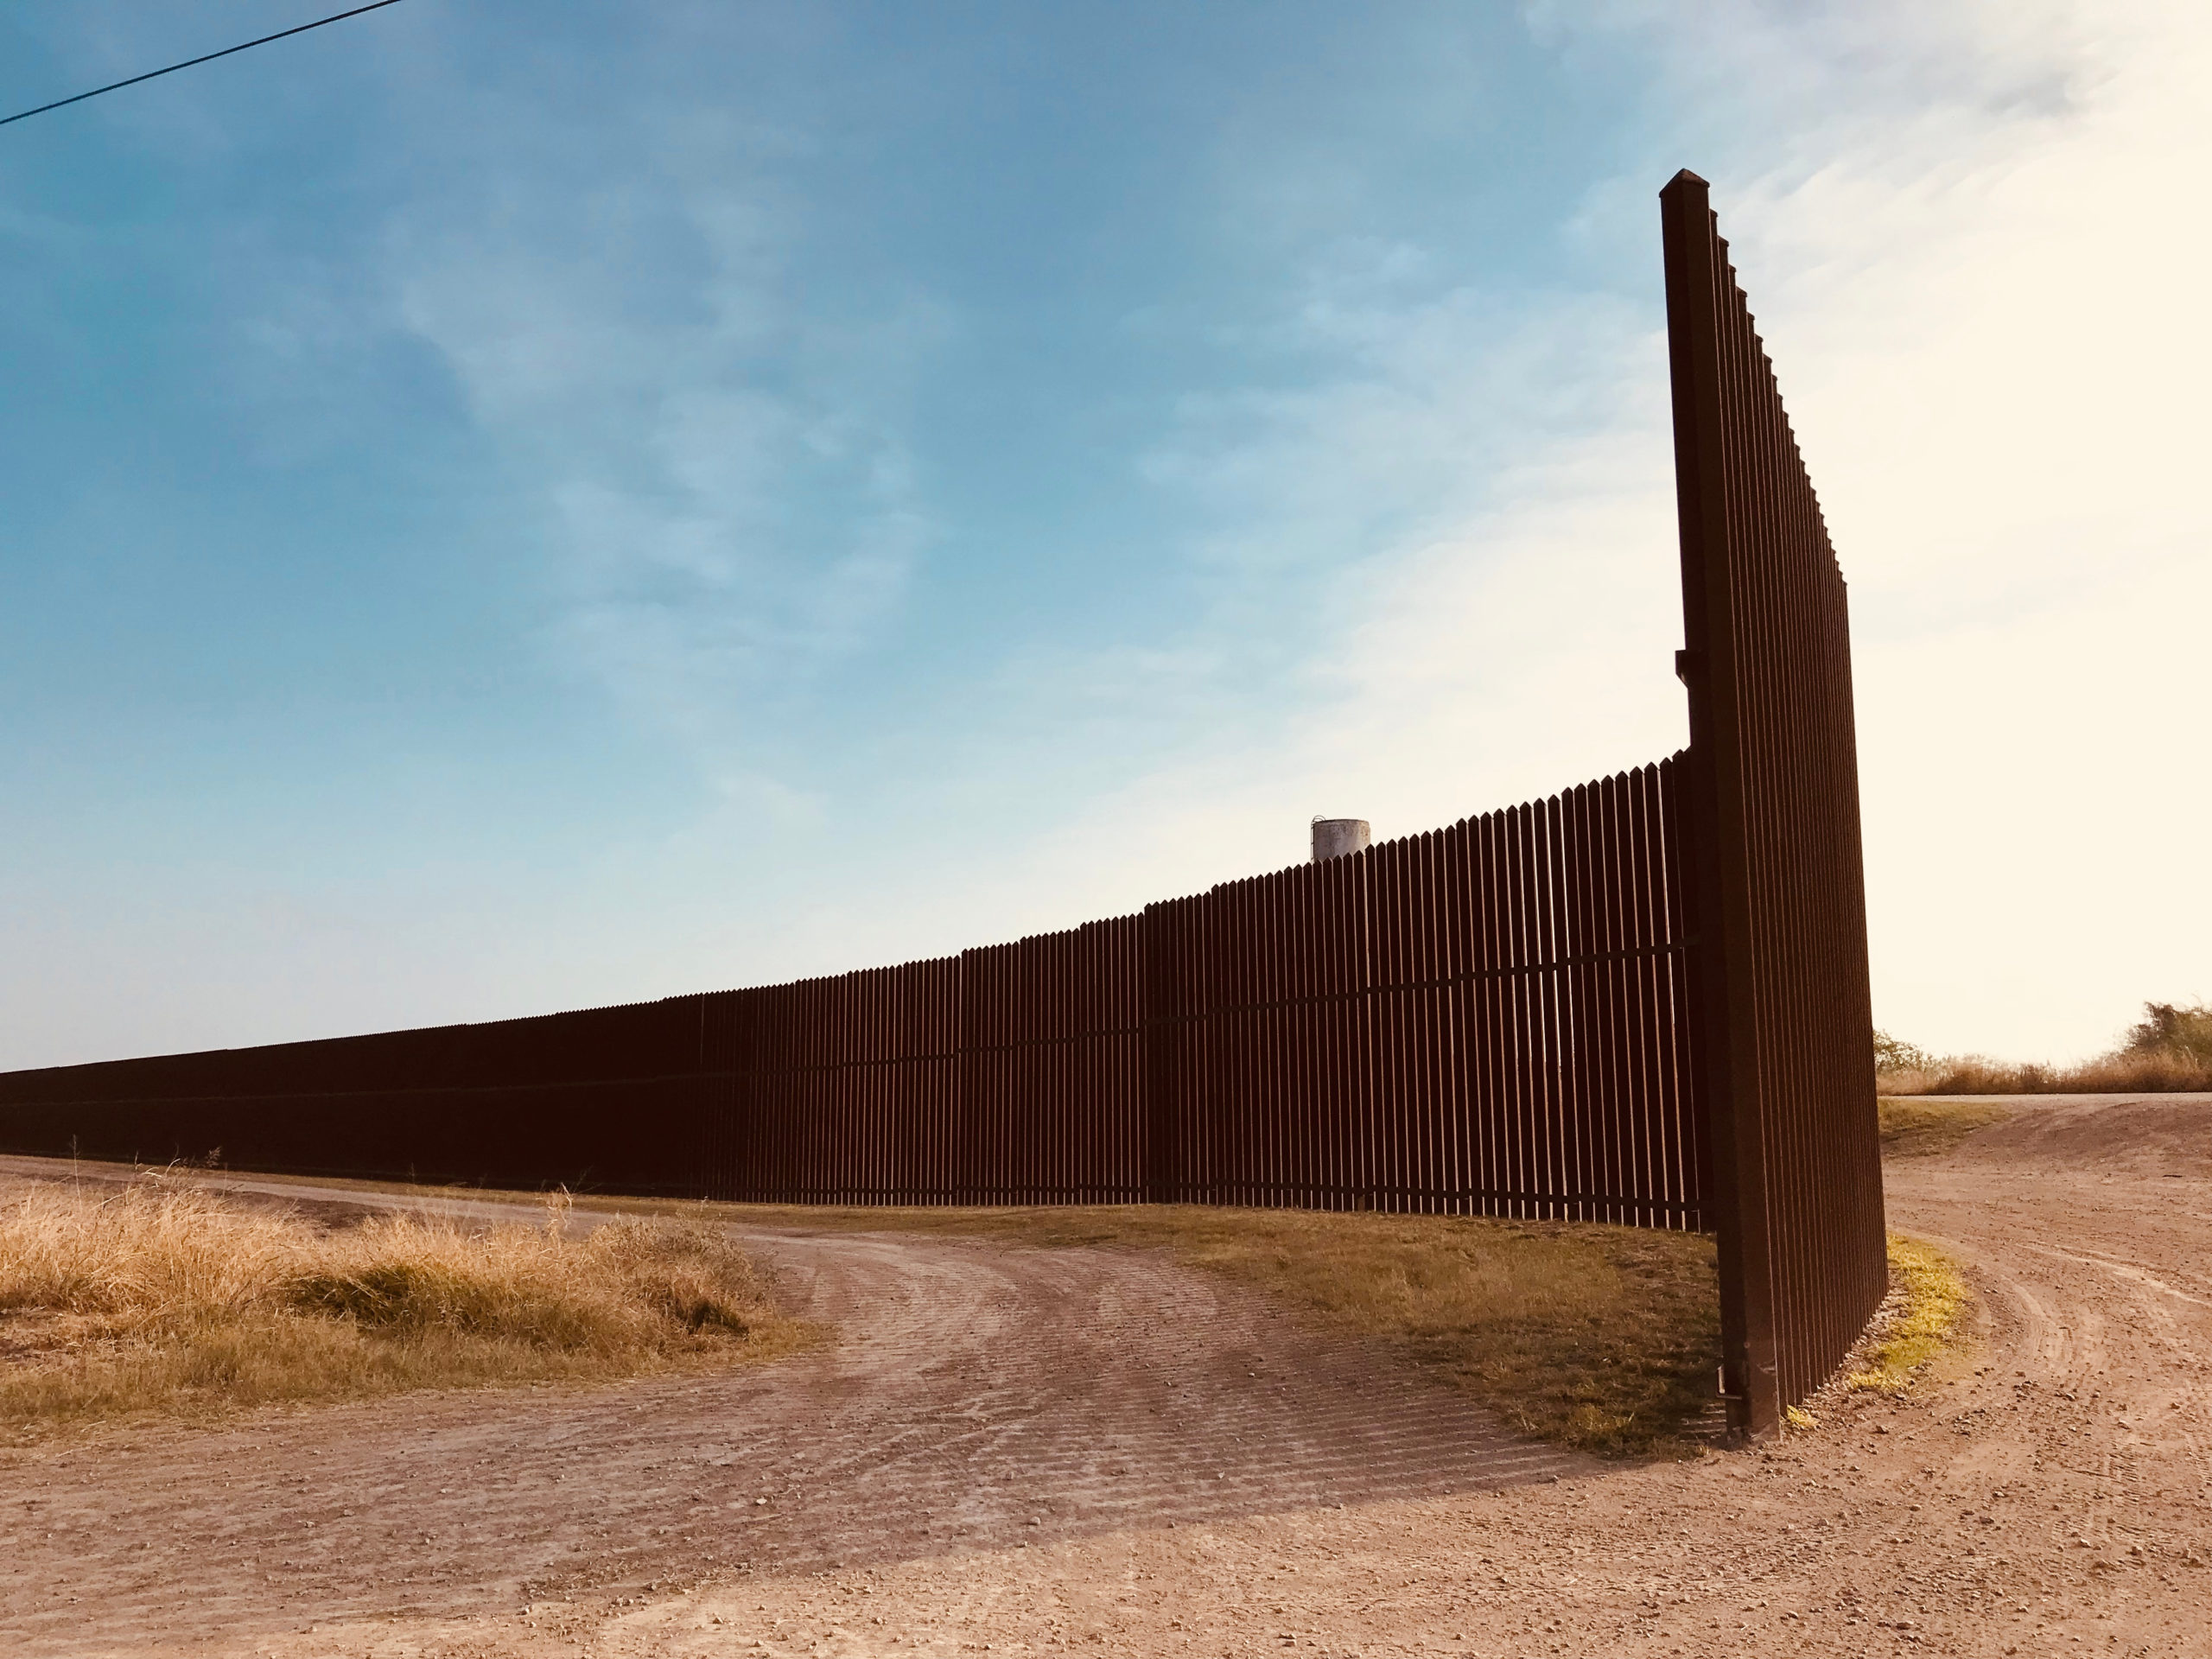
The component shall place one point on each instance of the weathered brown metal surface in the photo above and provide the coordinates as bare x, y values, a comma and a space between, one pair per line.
1776, 886
1490, 1017
1643, 1001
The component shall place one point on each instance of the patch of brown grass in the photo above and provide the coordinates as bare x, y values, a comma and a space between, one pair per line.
2152, 1073
1602, 1338
1922, 1129
1599, 1337
161, 1297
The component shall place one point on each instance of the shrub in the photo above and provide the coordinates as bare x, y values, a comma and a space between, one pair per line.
1892, 1055
2173, 1031
2168, 1050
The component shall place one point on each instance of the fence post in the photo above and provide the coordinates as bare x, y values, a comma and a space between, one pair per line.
1163, 1033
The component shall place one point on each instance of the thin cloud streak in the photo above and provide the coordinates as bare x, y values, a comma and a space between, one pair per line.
1407, 536
730, 499
1982, 302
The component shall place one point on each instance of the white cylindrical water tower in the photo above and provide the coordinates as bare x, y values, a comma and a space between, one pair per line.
1334, 837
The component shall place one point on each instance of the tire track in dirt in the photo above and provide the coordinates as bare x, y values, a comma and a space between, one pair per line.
2081, 1221
2048, 1492
2052, 1493
976, 1396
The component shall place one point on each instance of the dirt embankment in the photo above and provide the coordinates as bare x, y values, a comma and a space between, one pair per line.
1089, 1450
2153, 1136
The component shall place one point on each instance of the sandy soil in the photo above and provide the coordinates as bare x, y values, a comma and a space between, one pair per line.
1016, 1451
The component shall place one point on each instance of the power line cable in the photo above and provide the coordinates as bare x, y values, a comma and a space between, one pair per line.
156, 74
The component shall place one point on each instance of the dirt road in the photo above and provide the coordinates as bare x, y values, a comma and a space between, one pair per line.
1018, 1451
976, 1396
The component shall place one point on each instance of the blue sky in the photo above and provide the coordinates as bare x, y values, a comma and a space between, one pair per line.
515, 507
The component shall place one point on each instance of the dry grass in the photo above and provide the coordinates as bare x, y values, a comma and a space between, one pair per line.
1601, 1338
1921, 1128
1928, 1296
159, 1297
2169, 1050
2115, 1074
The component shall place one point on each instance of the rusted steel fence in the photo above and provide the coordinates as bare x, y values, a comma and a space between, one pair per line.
1491, 1018
1643, 1001
1006, 1075
612, 1093
1775, 888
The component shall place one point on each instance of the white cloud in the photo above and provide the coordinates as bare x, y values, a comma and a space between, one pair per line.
1438, 582
1967, 232
721, 469
1510, 635
1991, 328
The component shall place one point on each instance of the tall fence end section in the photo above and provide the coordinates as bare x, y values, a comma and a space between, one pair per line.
1776, 887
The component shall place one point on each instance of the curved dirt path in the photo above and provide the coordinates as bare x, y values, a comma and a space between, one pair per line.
975, 1396
2054, 1496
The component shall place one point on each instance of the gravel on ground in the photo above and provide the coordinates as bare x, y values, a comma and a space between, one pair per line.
1011, 1450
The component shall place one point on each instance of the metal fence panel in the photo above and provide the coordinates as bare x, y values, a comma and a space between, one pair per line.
1447, 1022
1777, 884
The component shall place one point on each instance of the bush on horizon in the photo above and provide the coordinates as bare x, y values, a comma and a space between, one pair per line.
2169, 1050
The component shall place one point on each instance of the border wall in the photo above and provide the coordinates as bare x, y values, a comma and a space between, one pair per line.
1643, 1001
1490, 1018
